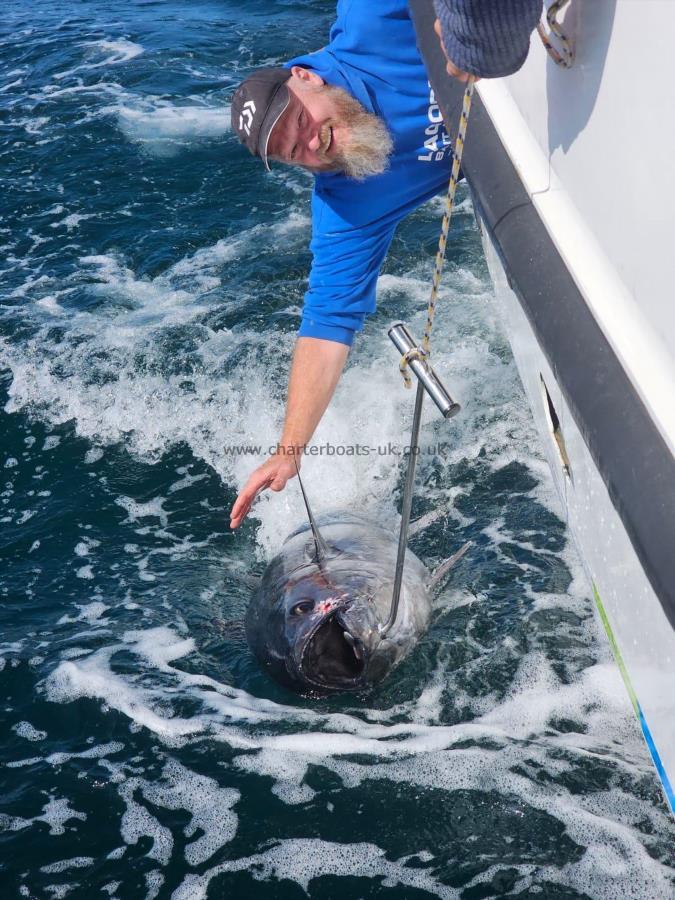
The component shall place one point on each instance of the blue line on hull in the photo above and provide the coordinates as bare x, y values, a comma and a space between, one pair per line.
667, 786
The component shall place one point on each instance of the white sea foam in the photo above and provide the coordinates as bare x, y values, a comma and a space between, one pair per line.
110, 89
85, 546
163, 127
117, 51
103, 53
72, 221
89, 612
87, 678
186, 481
57, 759
29, 732
209, 805
109, 399
302, 861
416, 751
93, 455
31, 124
60, 891
153, 881
51, 305
138, 822
77, 862
151, 509
56, 813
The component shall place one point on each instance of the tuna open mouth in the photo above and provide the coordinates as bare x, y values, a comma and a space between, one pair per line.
333, 658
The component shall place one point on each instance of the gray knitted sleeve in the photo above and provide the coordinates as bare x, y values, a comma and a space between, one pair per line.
488, 38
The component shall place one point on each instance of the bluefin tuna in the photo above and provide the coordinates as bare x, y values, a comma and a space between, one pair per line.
315, 622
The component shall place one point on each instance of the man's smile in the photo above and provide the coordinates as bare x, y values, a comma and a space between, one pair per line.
327, 142
325, 129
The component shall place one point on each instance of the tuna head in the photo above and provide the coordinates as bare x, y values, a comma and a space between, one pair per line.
317, 636
312, 623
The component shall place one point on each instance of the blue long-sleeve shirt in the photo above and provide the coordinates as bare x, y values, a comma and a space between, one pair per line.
372, 53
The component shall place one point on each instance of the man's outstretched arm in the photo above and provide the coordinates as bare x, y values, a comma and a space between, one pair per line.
316, 369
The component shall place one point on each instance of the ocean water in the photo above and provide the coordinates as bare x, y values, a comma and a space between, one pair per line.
150, 286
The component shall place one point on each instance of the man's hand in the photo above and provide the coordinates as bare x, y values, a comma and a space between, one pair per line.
317, 364
450, 67
272, 474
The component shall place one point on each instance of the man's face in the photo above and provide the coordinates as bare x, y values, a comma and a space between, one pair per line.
325, 129
309, 132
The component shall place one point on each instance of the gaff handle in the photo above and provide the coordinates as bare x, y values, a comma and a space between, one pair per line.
404, 343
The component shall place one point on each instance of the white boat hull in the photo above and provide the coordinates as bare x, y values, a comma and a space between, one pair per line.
572, 177
641, 637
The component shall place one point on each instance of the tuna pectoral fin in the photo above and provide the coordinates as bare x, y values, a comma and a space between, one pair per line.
252, 581
441, 571
232, 628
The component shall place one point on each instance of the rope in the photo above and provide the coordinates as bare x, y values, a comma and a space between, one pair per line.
422, 352
565, 55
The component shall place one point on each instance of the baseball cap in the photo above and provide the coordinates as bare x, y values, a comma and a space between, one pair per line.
257, 105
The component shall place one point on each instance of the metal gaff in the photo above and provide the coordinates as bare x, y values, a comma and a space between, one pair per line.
427, 381
407, 506
416, 357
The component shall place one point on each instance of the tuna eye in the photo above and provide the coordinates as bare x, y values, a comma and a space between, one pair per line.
302, 608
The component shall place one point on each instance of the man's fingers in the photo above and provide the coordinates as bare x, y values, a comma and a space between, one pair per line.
237, 515
458, 74
259, 480
450, 67
256, 483
437, 29
243, 503
239, 511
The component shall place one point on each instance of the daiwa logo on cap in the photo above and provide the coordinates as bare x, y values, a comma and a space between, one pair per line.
246, 117
257, 105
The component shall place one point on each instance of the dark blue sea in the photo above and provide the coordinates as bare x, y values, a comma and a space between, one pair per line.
150, 286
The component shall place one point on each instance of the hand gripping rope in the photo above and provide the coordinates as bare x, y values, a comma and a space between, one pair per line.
563, 57
417, 357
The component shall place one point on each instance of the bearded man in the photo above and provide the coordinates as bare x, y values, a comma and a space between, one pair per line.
360, 115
